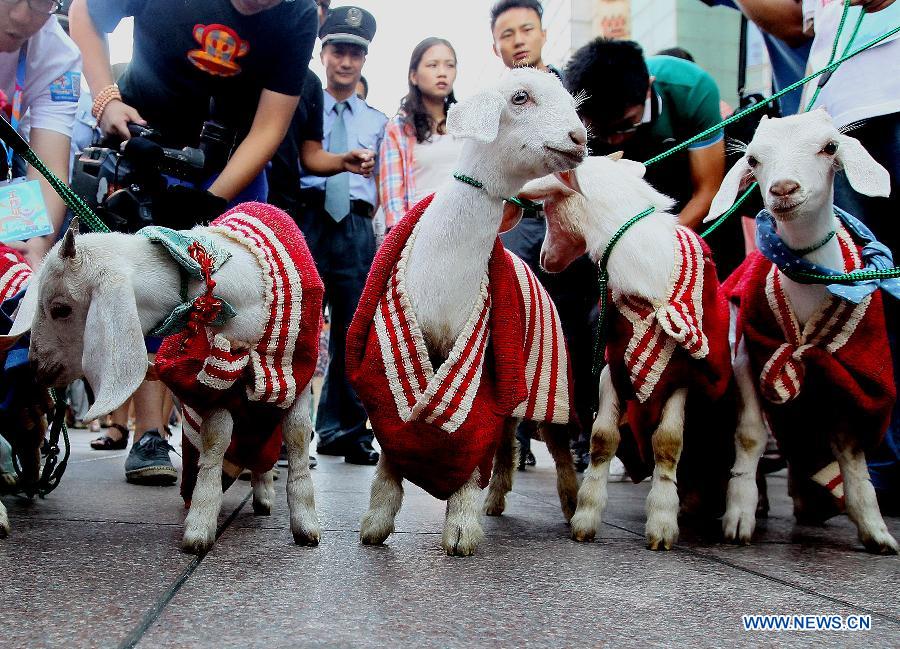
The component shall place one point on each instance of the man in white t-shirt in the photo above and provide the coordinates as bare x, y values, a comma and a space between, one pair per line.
52, 79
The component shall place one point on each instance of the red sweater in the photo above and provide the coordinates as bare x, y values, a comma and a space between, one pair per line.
438, 426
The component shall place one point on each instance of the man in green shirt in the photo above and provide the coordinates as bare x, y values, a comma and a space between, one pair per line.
646, 107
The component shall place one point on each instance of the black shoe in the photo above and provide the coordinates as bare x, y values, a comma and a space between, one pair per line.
148, 461
337, 447
361, 453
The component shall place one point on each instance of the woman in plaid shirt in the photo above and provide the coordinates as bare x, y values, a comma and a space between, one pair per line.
416, 153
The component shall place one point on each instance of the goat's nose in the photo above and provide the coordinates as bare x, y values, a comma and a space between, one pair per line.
782, 188
578, 136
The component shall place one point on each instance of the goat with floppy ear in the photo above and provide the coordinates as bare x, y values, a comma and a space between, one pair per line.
665, 302
461, 296
97, 296
810, 359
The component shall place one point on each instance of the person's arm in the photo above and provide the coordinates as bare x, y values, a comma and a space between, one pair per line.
391, 179
707, 172
270, 124
97, 70
317, 161
780, 18
53, 149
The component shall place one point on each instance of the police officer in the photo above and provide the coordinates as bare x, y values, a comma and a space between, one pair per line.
336, 219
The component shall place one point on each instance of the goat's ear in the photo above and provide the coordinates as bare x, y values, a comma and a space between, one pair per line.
512, 214
728, 191
114, 357
633, 167
477, 117
864, 174
24, 316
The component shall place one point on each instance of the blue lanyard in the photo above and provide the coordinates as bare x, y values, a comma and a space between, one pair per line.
15, 118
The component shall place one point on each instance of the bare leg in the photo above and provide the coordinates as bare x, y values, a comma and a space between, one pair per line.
592, 495
557, 438
859, 494
148, 401
662, 501
502, 477
263, 492
206, 501
749, 443
462, 527
384, 503
301, 495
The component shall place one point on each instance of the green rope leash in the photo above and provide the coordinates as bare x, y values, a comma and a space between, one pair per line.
525, 204
824, 79
603, 285
74, 202
737, 116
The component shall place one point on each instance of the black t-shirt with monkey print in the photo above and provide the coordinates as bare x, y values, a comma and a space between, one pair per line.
201, 59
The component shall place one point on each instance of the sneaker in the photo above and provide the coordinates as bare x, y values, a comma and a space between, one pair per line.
148, 461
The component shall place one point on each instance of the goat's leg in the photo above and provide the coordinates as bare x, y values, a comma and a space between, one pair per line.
592, 496
462, 527
4, 522
749, 443
263, 492
384, 503
557, 438
504, 462
859, 495
301, 496
206, 501
662, 501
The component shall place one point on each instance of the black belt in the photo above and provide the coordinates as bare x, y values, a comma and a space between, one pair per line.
315, 198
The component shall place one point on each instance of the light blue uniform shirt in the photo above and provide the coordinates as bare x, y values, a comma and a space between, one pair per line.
365, 130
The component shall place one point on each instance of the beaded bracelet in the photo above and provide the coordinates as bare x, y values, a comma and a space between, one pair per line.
103, 98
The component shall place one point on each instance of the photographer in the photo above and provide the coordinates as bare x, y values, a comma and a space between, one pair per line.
240, 64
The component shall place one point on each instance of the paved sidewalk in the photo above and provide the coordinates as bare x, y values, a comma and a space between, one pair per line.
97, 564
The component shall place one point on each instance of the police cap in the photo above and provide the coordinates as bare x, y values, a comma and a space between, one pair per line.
348, 25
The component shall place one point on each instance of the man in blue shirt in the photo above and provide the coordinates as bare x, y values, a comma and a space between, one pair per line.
336, 218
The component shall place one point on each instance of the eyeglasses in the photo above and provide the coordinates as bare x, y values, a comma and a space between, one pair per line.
43, 7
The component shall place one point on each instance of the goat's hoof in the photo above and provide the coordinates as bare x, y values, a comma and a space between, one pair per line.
460, 541
308, 538
737, 526
197, 543
374, 529
881, 543
662, 534
262, 508
494, 505
583, 528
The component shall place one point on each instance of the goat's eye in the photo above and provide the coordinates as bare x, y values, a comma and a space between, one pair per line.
751, 161
520, 97
830, 148
59, 311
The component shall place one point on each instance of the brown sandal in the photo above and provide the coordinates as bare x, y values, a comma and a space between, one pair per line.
107, 443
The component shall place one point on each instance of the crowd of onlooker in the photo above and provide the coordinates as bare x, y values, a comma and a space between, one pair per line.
346, 172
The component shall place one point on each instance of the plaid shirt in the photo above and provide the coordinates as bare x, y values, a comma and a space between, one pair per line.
396, 181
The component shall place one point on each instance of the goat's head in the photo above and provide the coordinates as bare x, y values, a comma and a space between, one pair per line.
585, 205
794, 160
529, 122
83, 320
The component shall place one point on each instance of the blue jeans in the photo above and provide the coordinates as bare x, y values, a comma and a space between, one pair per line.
881, 138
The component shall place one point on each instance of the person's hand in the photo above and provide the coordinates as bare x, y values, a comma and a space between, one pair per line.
115, 119
871, 6
359, 161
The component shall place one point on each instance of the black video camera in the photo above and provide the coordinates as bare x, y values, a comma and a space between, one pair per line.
127, 183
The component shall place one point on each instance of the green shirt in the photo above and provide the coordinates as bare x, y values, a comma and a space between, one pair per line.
689, 101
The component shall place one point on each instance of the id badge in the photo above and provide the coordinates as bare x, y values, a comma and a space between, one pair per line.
23, 213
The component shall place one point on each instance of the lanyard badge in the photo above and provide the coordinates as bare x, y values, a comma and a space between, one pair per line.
23, 213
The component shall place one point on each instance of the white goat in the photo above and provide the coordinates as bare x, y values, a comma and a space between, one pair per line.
794, 160
522, 129
96, 297
662, 335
